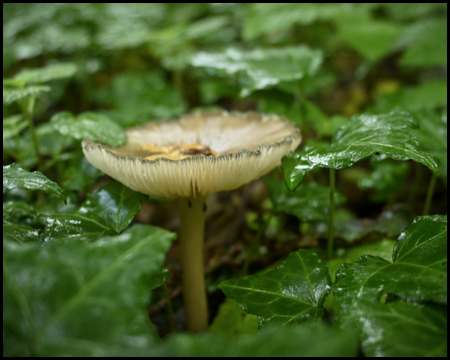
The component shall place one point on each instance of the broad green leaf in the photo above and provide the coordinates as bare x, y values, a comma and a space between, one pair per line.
79, 174
310, 202
371, 38
387, 135
305, 340
137, 98
402, 329
427, 40
107, 210
11, 95
291, 293
386, 178
418, 271
42, 75
14, 177
232, 321
19, 233
410, 11
72, 300
261, 68
94, 126
13, 125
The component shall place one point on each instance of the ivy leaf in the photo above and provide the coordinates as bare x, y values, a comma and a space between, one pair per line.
262, 68
42, 75
418, 271
305, 340
72, 300
14, 177
107, 210
291, 293
386, 135
11, 95
402, 329
310, 202
96, 127
13, 125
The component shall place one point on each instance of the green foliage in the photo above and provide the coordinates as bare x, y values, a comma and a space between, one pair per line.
14, 177
83, 276
381, 135
291, 293
66, 299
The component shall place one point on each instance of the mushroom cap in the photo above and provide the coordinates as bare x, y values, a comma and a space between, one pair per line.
250, 145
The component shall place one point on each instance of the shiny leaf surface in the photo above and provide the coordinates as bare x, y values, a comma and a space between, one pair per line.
261, 68
11, 95
402, 329
14, 177
291, 293
72, 300
96, 127
418, 271
386, 135
19, 233
107, 210
310, 202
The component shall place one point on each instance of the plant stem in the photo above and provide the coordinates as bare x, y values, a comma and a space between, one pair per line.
192, 229
169, 307
426, 208
415, 186
331, 218
28, 108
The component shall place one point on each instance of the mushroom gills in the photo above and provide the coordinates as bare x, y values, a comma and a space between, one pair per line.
179, 152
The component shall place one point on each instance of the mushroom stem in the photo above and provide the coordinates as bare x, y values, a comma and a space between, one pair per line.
192, 228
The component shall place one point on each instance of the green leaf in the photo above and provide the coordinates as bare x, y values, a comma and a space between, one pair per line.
386, 135
42, 75
79, 174
107, 210
402, 329
305, 340
261, 68
310, 202
291, 293
427, 40
19, 233
11, 95
96, 127
14, 177
72, 300
418, 271
13, 125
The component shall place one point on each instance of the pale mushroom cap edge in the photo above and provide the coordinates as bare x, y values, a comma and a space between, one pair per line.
251, 144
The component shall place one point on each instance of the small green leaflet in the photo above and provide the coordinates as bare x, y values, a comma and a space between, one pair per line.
107, 210
14, 177
418, 271
96, 127
293, 292
387, 135
72, 300
13, 125
11, 95
262, 68
42, 75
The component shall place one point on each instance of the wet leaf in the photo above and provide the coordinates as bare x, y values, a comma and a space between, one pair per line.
386, 135
11, 95
19, 233
13, 125
94, 126
310, 202
418, 271
14, 177
291, 293
261, 68
308, 340
402, 329
79, 174
72, 300
107, 210
42, 75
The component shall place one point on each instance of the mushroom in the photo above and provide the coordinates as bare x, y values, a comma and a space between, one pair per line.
187, 158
